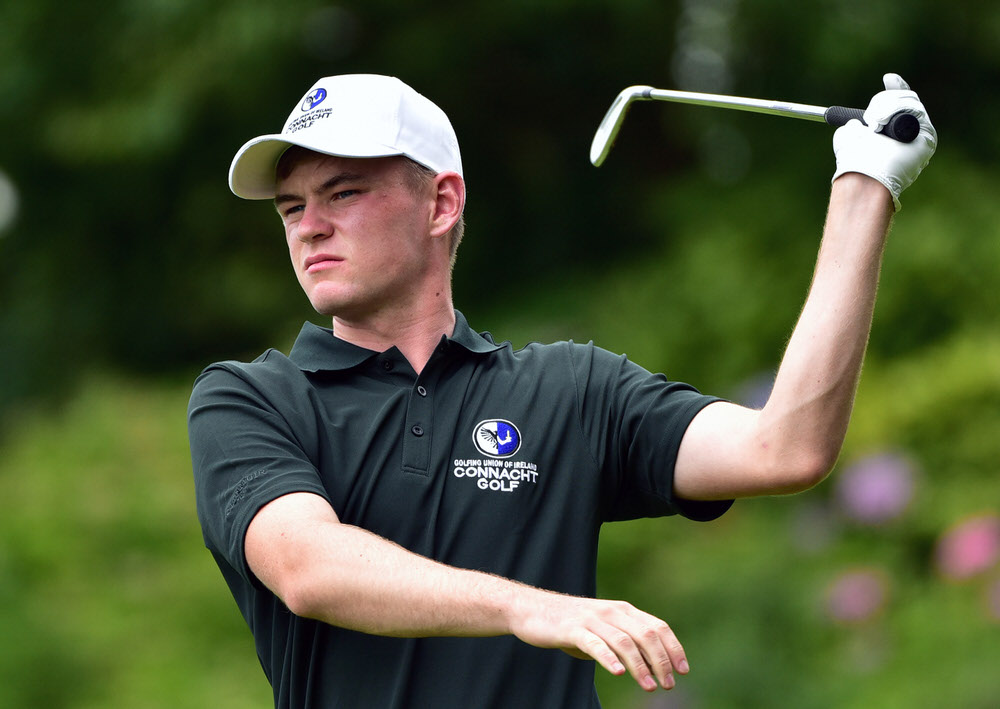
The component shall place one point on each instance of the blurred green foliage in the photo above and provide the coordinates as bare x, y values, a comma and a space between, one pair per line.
126, 265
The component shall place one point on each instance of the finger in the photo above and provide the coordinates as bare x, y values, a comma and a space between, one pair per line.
663, 671
661, 649
886, 104
659, 646
894, 82
591, 645
678, 658
627, 650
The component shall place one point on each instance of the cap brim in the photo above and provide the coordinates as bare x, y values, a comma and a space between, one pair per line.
251, 175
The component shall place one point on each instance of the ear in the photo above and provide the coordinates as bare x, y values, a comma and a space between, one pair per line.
449, 202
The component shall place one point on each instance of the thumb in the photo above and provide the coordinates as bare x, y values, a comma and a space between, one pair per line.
894, 82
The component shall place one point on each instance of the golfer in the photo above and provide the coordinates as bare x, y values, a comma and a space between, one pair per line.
407, 511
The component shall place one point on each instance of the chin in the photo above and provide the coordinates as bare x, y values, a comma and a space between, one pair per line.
328, 301
327, 308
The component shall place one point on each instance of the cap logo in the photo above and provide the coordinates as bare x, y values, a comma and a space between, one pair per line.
313, 100
497, 438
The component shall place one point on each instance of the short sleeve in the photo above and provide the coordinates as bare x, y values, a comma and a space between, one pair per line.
245, 452
636, 420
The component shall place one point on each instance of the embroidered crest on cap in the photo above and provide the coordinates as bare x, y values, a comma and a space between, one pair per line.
314, 99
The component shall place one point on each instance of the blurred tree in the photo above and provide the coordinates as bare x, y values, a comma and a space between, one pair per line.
121, 247
129, 251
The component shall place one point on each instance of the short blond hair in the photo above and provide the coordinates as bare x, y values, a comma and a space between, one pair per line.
420, 178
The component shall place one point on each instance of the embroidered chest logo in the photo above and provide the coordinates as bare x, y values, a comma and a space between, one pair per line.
499, 440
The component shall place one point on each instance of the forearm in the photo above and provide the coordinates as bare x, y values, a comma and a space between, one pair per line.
793, 442
805, 419
346, 576
372, 585
349, 577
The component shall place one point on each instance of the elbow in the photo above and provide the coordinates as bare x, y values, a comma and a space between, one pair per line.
795, 459
300, 594
290, 579
803, 470
296, 599
286, 576
815, 471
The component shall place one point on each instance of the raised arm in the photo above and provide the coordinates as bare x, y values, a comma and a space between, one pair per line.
793, 442
346, 576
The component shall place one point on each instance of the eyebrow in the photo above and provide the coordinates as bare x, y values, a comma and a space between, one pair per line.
325, 187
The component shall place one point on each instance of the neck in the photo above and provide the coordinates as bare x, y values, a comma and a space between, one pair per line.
415, 332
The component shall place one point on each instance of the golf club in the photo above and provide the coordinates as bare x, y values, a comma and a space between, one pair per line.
903, 126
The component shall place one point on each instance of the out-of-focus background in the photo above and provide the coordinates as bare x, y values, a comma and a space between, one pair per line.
126, 266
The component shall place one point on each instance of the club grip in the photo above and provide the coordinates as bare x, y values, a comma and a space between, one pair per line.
903, 126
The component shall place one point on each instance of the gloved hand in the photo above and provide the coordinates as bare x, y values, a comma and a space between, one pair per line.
859, 148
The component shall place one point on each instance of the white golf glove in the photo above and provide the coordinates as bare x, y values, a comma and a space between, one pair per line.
859, 148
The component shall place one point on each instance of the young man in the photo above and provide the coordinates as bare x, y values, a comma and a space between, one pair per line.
406, 512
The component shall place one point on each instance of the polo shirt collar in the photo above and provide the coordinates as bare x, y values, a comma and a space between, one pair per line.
480, 343
317, 348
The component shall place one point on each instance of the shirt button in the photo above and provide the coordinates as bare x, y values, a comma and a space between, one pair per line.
421, 391
387, 364
418, 430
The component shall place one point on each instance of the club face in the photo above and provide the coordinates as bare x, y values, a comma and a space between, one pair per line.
607, 131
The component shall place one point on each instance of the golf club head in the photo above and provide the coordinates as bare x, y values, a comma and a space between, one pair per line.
607, 131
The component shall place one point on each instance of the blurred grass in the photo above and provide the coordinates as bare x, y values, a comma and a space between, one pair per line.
105, 584
109, 599
746, 594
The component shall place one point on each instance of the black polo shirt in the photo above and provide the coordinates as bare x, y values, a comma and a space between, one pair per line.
492, 459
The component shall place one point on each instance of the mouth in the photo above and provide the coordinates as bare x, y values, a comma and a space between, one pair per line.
321, 262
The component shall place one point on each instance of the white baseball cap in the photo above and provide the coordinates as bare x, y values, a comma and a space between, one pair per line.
355, 116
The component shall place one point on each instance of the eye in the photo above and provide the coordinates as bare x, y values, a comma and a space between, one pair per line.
294, 209
344, 194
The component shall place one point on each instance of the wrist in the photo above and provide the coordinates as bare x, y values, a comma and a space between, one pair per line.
514, 601
522, 607
864, 191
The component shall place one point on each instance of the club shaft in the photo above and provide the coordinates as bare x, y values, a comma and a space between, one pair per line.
774, 108
902, 125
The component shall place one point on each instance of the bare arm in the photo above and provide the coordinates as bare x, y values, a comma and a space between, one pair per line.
346, 576
790, 445
793, 442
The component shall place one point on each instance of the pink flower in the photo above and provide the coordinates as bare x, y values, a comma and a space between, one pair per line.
876, 489
857, 596
969, 547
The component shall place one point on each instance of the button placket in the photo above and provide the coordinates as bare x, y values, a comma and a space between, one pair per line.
417, 441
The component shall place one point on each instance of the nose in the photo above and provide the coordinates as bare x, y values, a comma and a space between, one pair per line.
314, 224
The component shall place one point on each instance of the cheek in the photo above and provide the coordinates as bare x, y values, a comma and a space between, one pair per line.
295, 257
405, 235
294, 245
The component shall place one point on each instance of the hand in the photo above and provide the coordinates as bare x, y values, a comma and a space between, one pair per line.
615, 633
860, 148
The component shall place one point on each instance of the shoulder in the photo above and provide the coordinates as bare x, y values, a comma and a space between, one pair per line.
568, 364
270, 365
270, 377
562, 349
580, 357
